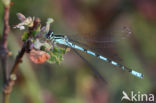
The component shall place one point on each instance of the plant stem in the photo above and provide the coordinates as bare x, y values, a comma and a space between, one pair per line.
19, 58
12, 76
11, 81
5, 98
4, 49
4, 54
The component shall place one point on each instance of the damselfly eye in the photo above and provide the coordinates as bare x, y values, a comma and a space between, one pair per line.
50, 34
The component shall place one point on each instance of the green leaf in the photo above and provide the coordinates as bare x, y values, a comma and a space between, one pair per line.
38, 28
47, 45
54, 58
25, 36
56, 55
35, 32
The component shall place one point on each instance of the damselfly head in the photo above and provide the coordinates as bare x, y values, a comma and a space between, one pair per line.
50, 34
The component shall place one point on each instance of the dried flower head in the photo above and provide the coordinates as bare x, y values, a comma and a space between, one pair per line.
21, 17
6, 2
49, 21
24, 21
38, 56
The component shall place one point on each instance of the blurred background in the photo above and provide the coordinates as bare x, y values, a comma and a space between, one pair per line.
99, 24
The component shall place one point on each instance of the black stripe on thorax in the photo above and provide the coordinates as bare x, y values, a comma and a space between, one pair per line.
59, 36
85, 50
97, 55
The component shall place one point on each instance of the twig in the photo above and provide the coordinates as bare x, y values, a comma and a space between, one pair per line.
4, 49
12, 76
10, 82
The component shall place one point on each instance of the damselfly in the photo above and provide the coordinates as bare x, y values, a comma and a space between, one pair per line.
64, 40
